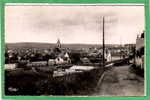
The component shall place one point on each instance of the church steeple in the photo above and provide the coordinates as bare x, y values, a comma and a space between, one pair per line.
58, 43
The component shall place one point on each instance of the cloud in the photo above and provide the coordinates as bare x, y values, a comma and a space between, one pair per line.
73, 24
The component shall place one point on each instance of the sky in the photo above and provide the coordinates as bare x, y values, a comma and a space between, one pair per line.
73, 23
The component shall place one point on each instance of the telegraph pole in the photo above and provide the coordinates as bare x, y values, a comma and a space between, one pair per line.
103, 42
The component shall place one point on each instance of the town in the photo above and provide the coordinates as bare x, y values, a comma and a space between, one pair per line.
60, 67
74, 50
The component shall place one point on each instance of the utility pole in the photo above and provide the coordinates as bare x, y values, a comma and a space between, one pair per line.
103, 42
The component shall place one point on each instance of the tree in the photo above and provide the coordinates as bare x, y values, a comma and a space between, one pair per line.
75, 58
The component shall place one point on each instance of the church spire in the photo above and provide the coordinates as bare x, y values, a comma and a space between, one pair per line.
58, 43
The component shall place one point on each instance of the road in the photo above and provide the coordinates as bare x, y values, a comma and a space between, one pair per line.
119, 81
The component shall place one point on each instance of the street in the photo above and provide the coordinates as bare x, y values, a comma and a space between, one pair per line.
119, 81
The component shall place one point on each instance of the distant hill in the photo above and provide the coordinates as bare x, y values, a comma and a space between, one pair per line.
29, 45
50, 45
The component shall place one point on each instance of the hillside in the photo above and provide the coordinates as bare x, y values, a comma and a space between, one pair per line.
50, 45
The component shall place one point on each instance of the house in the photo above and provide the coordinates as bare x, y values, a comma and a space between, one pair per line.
10, 66
63, 58
51, 62
59, 60
85, 60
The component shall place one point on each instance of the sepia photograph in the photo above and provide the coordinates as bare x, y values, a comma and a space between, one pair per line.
74, 50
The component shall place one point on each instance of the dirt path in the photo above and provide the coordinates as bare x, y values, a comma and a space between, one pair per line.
119, 81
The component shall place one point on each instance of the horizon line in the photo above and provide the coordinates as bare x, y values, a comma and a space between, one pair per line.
70, 43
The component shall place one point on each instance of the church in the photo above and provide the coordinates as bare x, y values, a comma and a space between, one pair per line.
63, 56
